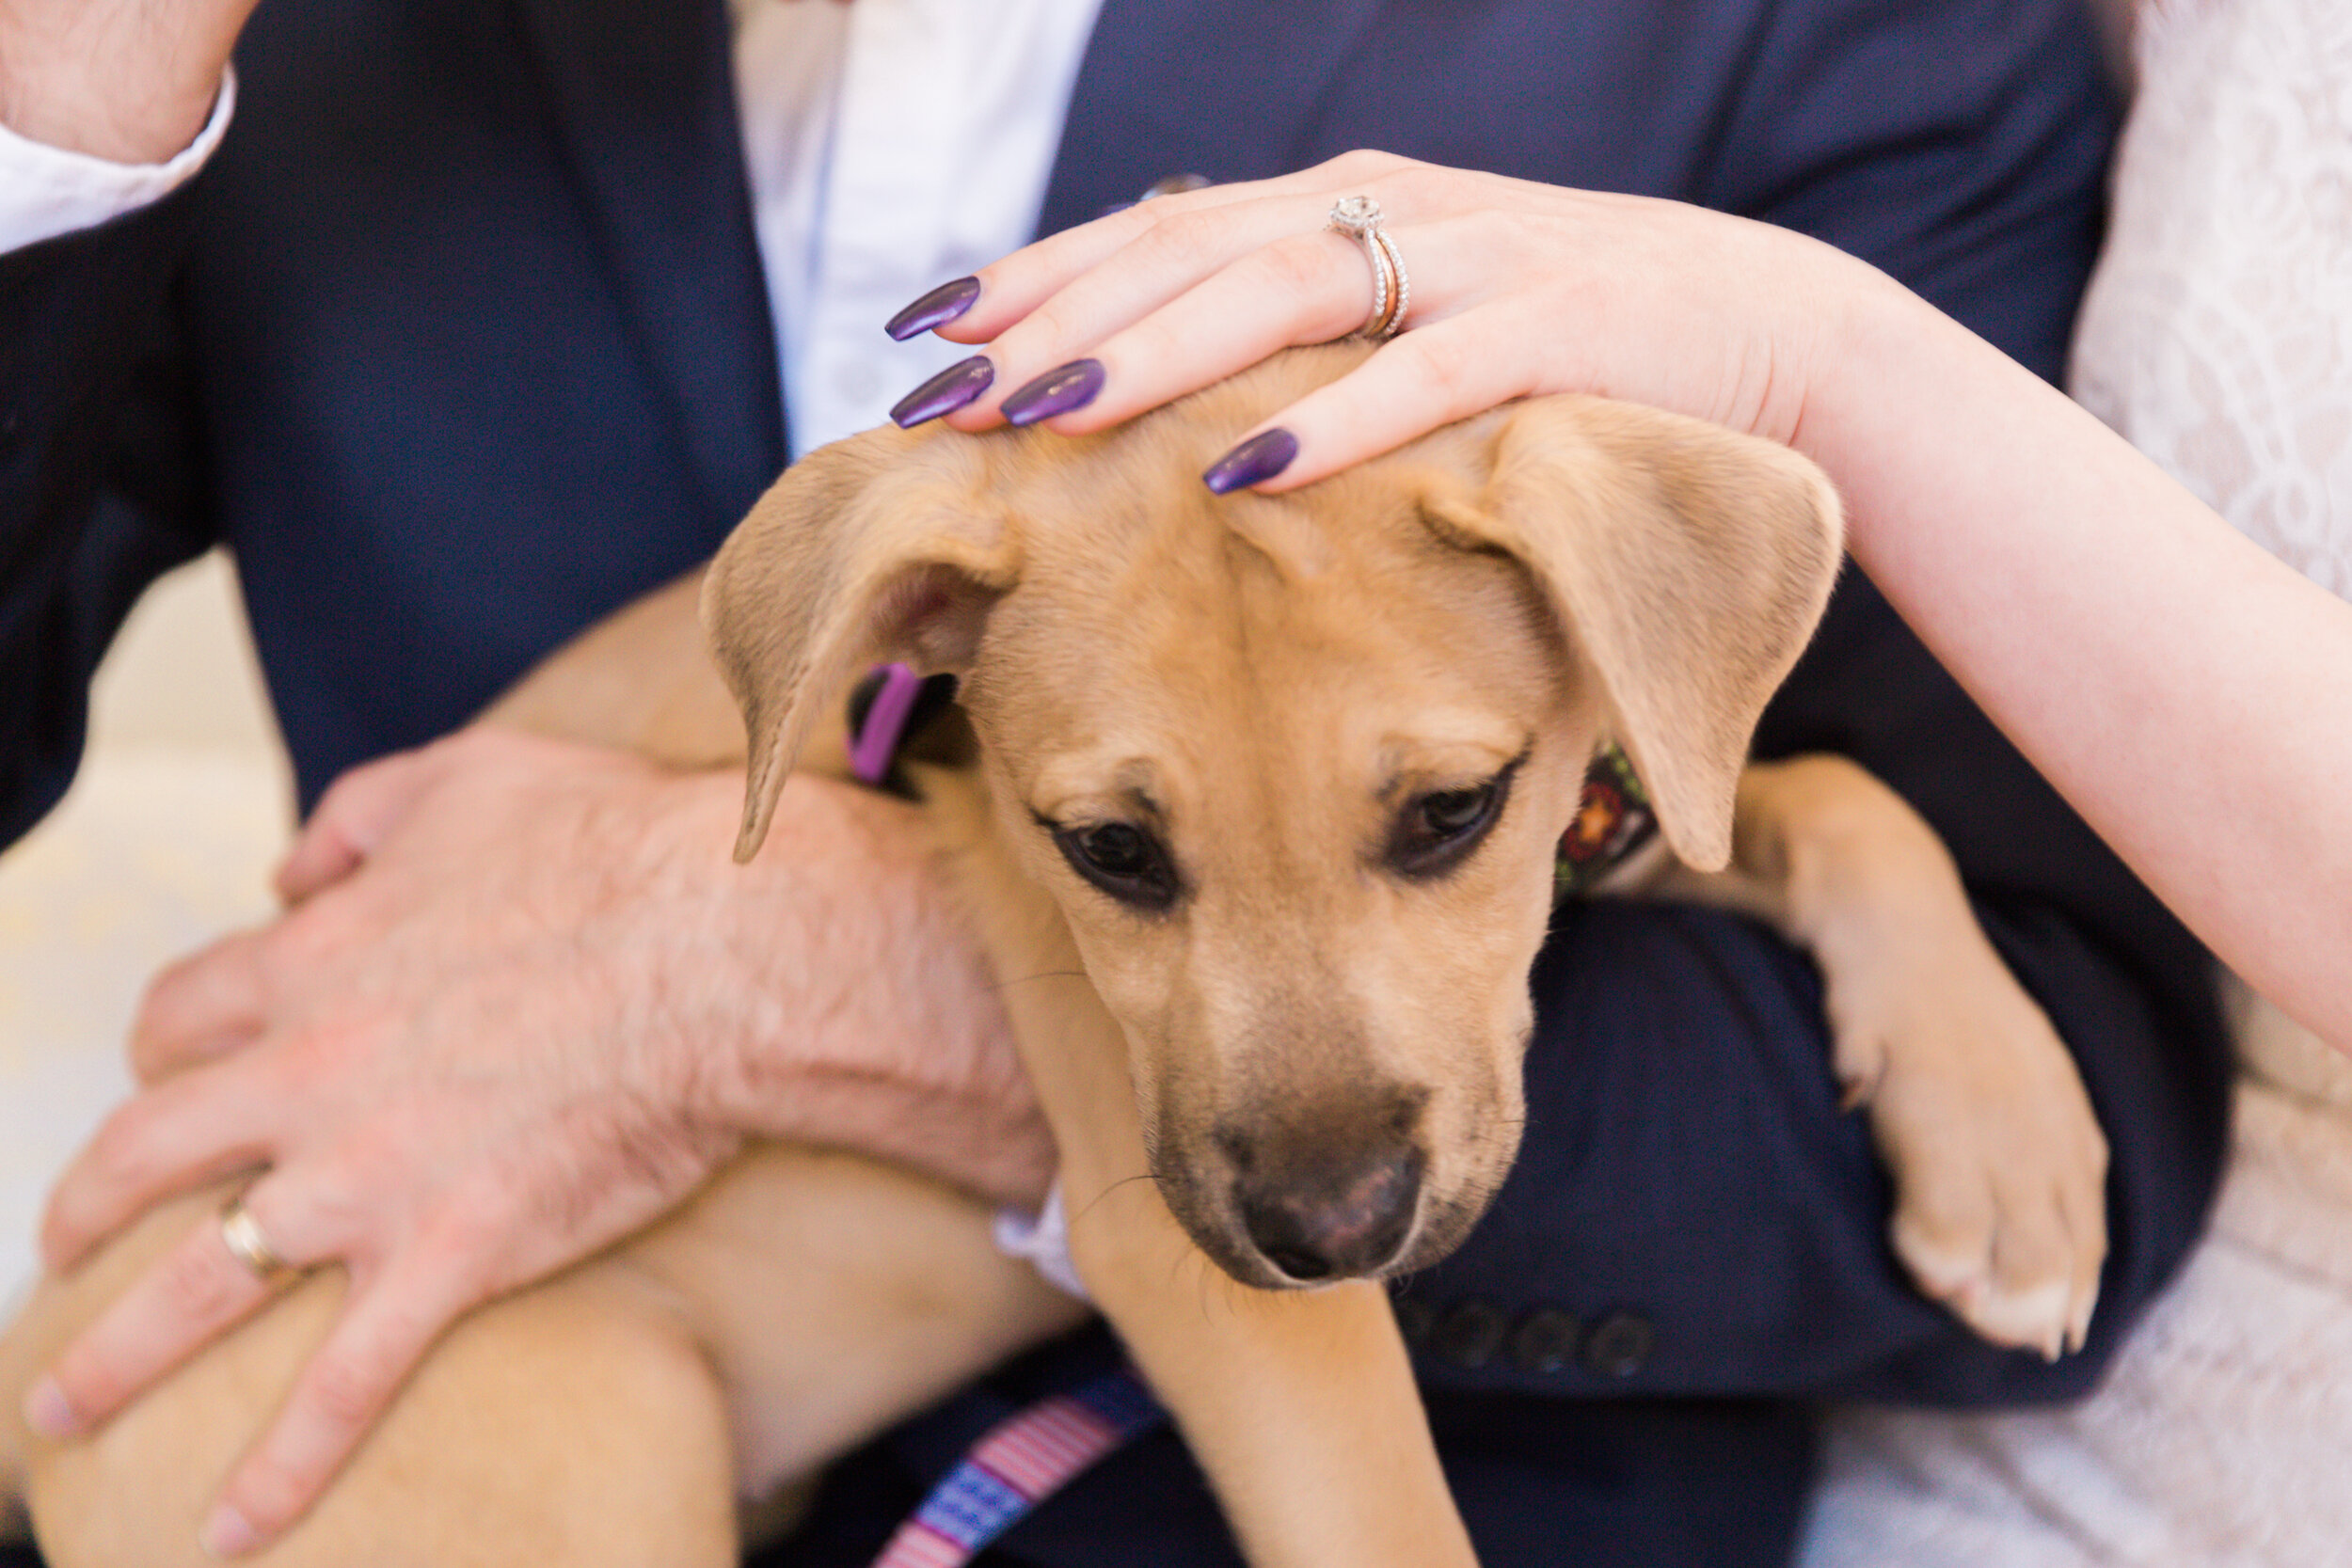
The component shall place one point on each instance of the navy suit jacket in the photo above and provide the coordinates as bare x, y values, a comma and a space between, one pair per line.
462, 341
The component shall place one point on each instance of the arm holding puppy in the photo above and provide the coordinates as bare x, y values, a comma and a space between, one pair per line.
604, 1027
2159, 668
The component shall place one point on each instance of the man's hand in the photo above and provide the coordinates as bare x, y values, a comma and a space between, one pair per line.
521, 1004
127, 80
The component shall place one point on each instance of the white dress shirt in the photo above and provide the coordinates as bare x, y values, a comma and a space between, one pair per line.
46, 191
892, 145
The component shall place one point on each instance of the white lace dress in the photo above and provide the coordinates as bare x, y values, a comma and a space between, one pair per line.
2218, 336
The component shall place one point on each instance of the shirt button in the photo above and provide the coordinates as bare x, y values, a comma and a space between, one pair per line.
1469, 1335
1545, 1341
1620, 1345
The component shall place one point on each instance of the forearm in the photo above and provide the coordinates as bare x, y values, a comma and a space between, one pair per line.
2188, 694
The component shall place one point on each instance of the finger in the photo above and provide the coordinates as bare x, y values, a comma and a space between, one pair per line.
207, 1002
1305, 285
1160, 269
1292, 287
187, 1298
198, 1127
1014, 287
1427, 378
346, 1388
355, 816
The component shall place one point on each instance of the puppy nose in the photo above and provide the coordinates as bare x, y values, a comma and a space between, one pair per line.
1343, 1226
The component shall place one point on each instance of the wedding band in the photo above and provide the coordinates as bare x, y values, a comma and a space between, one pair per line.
1359, 218
242, 1235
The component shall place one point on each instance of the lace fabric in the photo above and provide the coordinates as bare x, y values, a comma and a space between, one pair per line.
2217, 338
2217, 333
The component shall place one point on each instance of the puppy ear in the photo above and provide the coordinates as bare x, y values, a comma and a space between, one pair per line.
880, 548
1690, 566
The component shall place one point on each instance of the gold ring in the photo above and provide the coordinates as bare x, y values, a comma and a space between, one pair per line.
242, 1235
1359, 218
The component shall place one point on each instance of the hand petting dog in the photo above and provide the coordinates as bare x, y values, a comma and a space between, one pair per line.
1980, 500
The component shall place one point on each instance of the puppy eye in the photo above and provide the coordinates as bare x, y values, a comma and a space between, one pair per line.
1452, 813
1122, 860
1438, 830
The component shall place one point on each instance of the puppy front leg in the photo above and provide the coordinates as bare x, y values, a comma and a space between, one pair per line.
1999, 1165
1301, 1405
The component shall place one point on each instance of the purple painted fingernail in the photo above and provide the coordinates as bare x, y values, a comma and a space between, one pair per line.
1253, 462
936, 309
1057, 391
48, 1412
945, 392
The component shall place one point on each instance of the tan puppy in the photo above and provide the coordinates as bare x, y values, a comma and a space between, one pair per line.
1283, 777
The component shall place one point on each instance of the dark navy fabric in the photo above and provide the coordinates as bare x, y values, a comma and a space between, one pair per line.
460, 342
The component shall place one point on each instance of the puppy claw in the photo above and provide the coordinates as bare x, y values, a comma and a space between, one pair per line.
2078, 1331
2033, 1319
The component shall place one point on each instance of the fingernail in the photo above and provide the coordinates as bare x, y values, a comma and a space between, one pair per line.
1253, 462
228, 1533
936, 309
1057, 391
48, 1412
945, 392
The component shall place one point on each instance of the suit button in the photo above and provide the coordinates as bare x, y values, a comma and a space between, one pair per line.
1415, 1318
1620, 1345
1469, 1335
1545, 1341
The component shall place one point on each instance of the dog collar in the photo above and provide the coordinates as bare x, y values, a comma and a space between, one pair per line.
1613, 820
888, 709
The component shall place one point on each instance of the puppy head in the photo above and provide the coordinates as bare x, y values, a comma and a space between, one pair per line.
1293, 767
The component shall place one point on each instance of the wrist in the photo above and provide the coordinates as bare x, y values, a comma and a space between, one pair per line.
131, 84
864, 1015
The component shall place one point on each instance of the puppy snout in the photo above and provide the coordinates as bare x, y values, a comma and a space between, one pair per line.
1351, 1222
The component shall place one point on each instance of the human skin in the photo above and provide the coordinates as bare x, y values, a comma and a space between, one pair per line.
2187, 693
2159, 668
520, 1004
131, 81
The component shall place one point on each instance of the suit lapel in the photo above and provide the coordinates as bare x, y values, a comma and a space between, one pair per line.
644, 95
1182, 90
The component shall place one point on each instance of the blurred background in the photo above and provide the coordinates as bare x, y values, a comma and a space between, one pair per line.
180, 812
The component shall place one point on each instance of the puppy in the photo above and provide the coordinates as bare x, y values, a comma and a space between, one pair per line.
1274, 786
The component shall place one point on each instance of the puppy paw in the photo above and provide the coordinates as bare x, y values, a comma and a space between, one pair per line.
1998, 1163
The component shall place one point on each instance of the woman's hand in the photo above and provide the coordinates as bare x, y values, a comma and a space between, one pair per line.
521, 1006
2017, 536
1516, 288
